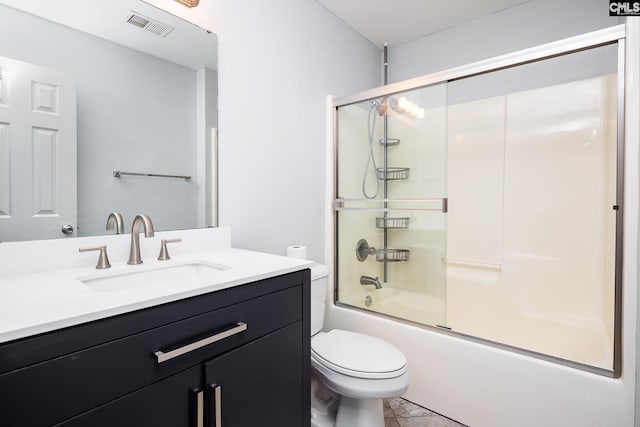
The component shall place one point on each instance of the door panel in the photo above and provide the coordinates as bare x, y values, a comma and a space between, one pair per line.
170, 402
37, 151
267, 393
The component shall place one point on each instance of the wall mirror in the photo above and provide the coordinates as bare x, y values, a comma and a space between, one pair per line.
91, 88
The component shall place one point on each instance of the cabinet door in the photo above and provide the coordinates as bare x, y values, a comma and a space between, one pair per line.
172, 402
260, 384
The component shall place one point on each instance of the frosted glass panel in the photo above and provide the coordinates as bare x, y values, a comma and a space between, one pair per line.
532, 185
523, 252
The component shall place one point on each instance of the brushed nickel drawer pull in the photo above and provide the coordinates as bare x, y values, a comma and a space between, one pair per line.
217, 403
199, 408
163, 357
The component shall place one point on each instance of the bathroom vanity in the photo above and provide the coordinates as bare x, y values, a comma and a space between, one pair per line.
230, 353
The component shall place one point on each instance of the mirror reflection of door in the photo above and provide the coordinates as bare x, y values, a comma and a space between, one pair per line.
38, 192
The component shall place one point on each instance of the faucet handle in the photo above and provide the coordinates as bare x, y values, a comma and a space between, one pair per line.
103, 259
164, 254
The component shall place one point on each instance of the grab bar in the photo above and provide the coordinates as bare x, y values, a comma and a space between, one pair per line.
118, 174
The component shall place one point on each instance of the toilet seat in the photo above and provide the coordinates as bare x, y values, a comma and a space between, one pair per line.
357, 355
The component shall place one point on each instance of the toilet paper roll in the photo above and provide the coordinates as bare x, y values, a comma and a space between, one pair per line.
297, 251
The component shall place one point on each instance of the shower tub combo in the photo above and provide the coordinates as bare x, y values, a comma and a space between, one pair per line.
482, 208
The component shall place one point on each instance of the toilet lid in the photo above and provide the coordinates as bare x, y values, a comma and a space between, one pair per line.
358, 355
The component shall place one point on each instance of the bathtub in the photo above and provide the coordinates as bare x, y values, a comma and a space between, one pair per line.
402, 304
581, 340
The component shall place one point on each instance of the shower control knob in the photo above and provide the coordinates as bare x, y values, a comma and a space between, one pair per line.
67, 229
363, 250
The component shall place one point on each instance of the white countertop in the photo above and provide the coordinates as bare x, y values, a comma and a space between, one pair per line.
33, 303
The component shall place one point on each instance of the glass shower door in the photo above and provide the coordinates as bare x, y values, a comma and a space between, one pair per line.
488, 199
391, 205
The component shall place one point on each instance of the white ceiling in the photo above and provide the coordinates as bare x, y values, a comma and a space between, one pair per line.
399, 21
186, 44
380, 21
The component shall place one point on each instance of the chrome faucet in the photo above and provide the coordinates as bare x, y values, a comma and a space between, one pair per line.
134, 252
115, 222
368, 280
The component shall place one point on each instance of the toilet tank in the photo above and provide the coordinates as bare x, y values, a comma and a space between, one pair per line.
319, 284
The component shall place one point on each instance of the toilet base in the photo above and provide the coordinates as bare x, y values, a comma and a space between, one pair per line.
359, 413
324, 404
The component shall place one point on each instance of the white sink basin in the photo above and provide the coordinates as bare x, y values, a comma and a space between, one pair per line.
186, 273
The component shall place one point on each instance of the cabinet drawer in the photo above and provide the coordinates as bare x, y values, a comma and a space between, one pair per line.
171, 402
80, 381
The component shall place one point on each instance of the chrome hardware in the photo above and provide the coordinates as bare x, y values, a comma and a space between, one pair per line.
115, 222
381, 205
217, 405
134, 252
199, 408
103, 259
163, 357
216, 417
67, 229
119, 174
363, 250
368, 280
164, 254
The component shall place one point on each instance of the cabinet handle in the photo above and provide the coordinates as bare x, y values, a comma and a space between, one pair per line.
199, 408
217, 405
163, 357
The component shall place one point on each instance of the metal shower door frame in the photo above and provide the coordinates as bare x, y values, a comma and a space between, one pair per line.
608, 36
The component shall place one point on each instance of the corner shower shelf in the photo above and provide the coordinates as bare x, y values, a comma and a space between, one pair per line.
392, 223
363, 250
392, 174
392, 255
389, 142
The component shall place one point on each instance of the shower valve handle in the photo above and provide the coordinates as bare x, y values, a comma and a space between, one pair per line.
363, 250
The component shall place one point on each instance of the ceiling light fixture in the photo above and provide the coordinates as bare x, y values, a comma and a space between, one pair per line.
189, 3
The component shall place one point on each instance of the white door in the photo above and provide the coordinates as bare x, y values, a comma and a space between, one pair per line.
37, 152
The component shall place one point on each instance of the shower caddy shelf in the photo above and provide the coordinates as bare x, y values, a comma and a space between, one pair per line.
392, 174
363, 250
385, 223
389, 142
392, 223
392, 255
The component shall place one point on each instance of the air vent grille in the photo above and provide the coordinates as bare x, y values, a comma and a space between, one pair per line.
145, 23
138, 21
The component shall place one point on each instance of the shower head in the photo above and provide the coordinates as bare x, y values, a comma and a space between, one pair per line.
382, 106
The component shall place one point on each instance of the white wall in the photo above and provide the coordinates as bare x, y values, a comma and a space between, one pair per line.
529, 24
277, 62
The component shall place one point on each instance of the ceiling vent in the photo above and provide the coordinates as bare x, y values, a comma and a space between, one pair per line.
150, 25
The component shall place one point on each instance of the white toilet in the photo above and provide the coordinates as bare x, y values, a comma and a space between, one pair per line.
352, 372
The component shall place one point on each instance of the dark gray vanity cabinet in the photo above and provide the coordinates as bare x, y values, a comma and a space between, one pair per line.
157, 366
172, 401
235, 378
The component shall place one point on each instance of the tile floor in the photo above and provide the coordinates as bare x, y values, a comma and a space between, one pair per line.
402, 413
